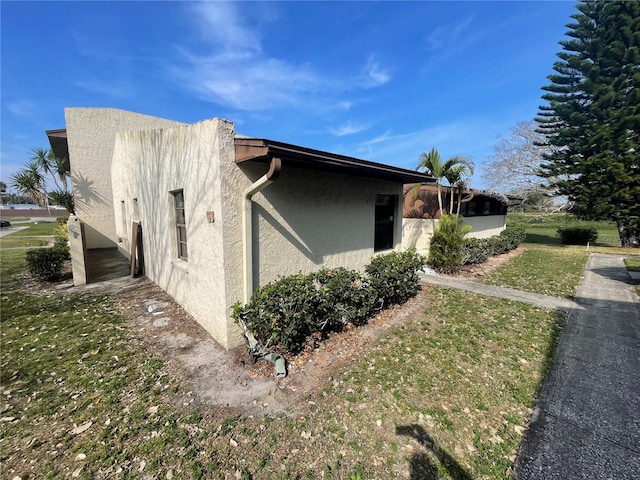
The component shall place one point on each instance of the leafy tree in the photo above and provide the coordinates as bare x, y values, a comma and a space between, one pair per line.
592, 120
32, 179
433, 164
3, 187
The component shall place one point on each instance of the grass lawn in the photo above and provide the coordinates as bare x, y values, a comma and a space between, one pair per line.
544, 269
447, 394
542, 228
36, 229
9, 242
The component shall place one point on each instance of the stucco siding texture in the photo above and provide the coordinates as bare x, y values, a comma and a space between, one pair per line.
91, 136
485, 226
149, 166
309, 219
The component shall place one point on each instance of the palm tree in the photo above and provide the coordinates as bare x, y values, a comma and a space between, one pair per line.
52, 165
29, 181
458, 176
433, 164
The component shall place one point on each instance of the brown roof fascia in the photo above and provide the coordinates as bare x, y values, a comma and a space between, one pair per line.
262, 150
59, 145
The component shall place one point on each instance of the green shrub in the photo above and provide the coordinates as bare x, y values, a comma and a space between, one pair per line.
394, 276
514, 236
476, 250
445, 252
285, 313
346, 297
577, 235
47, 263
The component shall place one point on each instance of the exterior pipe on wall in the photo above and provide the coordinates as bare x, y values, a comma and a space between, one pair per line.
247, 223
247, 245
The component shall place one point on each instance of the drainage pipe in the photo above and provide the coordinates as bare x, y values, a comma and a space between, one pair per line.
247, 223
247, 245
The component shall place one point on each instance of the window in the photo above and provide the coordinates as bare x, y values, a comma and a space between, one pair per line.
385, 212
181, 223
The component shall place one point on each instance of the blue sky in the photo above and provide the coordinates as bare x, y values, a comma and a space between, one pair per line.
382, 81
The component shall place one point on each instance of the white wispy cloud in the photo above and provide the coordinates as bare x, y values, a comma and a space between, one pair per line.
446, 35
375, 75
350, 128
22, 108
235, 70
119, 88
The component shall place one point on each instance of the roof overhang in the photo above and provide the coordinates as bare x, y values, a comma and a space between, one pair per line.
59, 145
262, 151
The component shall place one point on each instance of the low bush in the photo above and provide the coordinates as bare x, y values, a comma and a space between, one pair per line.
394, 276
477, 250
346, 297
285, 313
577, 235
445, 252
47, 263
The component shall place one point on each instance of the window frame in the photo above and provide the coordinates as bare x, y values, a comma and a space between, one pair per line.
386, 227
180, 222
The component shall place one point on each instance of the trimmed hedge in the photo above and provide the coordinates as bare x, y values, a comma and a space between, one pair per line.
286, 313
577, 235
477, 250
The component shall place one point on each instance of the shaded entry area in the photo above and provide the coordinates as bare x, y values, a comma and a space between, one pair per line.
106, 264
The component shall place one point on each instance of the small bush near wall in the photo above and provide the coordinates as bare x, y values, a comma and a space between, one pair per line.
47, 263
577, 235
445, 253
395, 276
285, 313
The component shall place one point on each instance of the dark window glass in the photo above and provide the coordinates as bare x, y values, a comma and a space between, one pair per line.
385, 212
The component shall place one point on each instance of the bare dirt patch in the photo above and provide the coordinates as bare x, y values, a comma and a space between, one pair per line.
231, 379
481, 270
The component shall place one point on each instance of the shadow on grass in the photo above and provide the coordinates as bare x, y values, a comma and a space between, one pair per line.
422, 467
542, 239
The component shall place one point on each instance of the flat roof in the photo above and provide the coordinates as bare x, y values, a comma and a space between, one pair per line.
263, 150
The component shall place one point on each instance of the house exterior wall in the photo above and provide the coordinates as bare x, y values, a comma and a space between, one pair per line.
417, 232
309, 219
486, 226
148, 166
90, 136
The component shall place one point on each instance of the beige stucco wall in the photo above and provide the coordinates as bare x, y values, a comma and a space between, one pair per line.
486, 226
148, 166
309, 219
417, 232
91, 136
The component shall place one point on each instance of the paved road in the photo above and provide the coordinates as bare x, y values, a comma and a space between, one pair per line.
587, 421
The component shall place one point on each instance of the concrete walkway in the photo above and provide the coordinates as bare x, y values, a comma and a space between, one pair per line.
587, 421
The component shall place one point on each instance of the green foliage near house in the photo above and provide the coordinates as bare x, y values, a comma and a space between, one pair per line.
286, 313
478, 250
445, 252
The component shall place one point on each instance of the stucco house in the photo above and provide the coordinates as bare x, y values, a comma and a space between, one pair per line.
220, 214
484, 210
